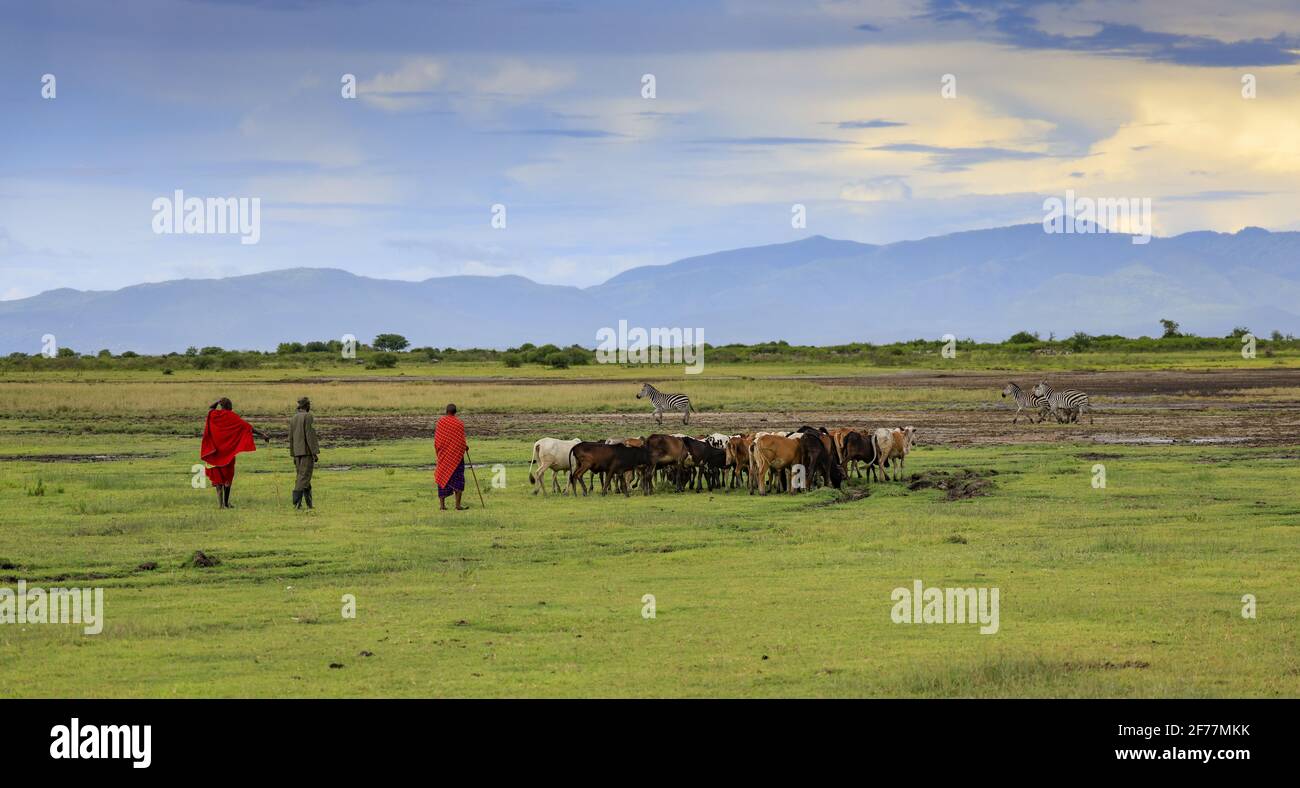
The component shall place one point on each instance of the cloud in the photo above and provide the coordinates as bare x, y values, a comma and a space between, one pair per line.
1016, 22
767, 141
584, 134
956, 159
408, 88
1216, 195
882, 189
518, 79
877, 123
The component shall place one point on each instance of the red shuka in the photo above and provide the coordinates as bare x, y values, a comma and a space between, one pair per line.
224, 435
449, 443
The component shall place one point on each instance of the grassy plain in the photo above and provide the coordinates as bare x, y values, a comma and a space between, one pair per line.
1134, 589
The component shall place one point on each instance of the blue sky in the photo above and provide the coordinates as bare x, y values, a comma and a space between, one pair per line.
538, 106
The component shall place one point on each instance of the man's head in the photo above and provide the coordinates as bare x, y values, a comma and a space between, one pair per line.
304, 404
451, 409
225, 404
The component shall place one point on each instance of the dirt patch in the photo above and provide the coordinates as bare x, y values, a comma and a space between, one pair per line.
1201, 383
149, 566
201, 560
1094, 664
848, 495
957, 485
1092, 455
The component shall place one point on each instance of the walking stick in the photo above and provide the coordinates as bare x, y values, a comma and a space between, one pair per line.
475, 475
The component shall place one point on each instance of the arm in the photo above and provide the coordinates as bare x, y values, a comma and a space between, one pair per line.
313, 440
265, 438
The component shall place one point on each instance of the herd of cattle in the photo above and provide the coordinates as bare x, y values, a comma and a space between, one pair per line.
789, 461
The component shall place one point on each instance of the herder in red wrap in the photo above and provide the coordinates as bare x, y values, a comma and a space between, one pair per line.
225, 435
449, 443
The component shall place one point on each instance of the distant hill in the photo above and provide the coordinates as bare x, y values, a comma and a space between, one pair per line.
983, 284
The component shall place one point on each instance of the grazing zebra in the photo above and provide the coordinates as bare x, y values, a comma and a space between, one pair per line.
1070, 402
1030, 402
671, 403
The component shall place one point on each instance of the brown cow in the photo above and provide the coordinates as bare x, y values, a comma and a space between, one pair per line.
738, 457
773, 453
819, 458
666, 451
838, 435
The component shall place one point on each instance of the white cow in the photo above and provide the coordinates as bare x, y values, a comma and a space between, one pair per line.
719, 441
892, 446
551, 453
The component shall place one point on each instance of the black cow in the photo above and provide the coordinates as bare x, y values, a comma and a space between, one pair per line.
611, 462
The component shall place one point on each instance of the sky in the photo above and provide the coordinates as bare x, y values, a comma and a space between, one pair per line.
539, 106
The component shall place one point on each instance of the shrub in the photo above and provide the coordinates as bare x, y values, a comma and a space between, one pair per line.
384, 360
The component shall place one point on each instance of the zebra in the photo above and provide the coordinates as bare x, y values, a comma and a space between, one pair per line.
672, 403
1030, 402
1071, 402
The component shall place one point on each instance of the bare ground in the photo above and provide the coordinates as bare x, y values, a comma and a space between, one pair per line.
1248, 426
1212, 407
1143, 408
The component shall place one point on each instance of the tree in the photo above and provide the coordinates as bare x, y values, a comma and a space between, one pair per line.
1022, 337
391, 342
1079, 342
1170, 327
289, 347
1239, 332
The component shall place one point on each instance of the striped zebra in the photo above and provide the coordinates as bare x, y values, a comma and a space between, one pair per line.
1029, 402
1070, 402
672, 403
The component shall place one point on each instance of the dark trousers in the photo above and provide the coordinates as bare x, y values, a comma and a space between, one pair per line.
305, 465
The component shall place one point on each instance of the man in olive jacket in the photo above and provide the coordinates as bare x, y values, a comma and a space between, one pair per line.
305, 448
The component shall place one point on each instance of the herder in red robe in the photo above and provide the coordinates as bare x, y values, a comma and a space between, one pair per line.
449, 443
225, 435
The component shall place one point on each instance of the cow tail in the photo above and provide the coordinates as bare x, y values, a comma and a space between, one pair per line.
531, 480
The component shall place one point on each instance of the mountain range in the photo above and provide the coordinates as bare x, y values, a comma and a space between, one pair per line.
981, 284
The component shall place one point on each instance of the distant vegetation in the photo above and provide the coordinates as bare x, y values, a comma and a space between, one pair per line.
389, 351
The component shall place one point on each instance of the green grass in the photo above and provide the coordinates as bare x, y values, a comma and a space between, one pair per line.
1134, 590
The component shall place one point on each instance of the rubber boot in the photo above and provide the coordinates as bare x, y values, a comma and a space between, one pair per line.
307, 495
225, 496
297, 499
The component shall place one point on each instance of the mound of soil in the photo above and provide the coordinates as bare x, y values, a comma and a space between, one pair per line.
956, 484
201, 560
